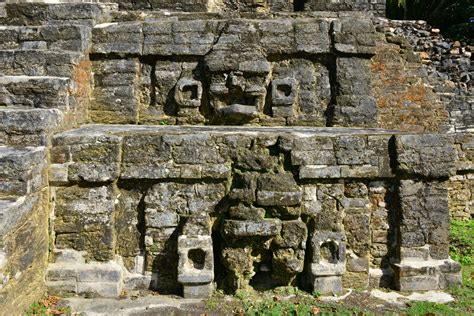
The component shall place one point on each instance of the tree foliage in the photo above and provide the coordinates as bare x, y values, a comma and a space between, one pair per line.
451, 16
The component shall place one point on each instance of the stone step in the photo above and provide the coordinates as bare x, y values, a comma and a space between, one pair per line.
28, 127
34, 62
415, 274
83, 12
21, 170
45, 37
101, 278
35, 92
148, 305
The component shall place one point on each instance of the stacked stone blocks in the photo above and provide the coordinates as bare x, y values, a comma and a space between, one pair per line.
187, 209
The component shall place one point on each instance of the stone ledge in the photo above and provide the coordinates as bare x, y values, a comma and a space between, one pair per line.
424, 275
21, 170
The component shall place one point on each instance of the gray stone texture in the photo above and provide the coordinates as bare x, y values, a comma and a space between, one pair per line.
137, 203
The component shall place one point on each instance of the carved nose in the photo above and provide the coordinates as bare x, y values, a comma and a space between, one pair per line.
235, 78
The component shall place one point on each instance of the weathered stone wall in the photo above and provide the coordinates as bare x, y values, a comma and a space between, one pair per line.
195, 72
446, 70
424, 83
261, 6
24, 236
461, 186
270, 201
183, 209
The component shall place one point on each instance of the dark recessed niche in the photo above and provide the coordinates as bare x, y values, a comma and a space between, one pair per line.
197, 258
298, 5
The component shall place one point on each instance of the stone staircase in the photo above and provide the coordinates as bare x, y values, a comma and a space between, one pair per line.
115, 146
42, 91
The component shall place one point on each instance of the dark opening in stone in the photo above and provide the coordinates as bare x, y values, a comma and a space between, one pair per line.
298, 5
284, 89
190, 92
330, 252
243, 99
262, 280
197, 258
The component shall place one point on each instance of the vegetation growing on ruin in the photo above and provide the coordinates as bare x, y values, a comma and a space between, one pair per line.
292, 301
452, 16
462, 242
47, 306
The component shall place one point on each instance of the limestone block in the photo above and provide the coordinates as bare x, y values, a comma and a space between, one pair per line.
329, 254
120, 38
465, 151
21, 170
352, 280
312, 36
38, 62
188, 93
95, 162
158, 5
117, 86
293, 235
160, 219
101, 289
243, 212
357, 264
142, 155
313, 90
278, 189
28, 127
352, 150
357, 227
425, 275
286, 264
57, 37
196, 260
197, 225
327, 284
22, 224
165, 38
76, 13
64, 288
319, 172
427, 155
184, 199
84, 220
316, 156
35, 92
283, 94
354, 36
417, 229
264, 228
198, 290
266, 198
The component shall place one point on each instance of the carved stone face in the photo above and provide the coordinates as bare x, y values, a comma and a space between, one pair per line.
238, 88
237, 95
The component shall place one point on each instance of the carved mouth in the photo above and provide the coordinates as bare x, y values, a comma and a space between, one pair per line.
239, 111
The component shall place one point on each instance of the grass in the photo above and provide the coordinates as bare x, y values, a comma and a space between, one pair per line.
48, 306
462, 241
461, 250
290, 301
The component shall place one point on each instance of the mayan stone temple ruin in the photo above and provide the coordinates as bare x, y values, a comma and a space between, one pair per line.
193, 145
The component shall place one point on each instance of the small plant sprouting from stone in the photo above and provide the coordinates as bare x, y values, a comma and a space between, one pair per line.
49, 305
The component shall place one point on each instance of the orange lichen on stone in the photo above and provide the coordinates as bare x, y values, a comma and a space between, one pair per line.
403, 102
